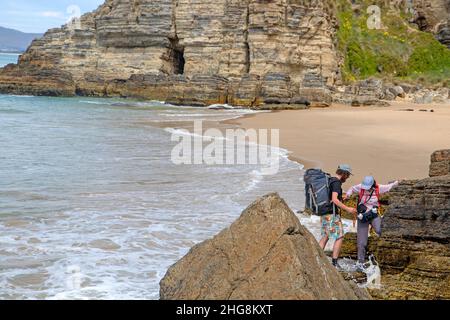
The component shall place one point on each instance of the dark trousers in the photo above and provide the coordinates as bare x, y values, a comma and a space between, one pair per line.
363, 236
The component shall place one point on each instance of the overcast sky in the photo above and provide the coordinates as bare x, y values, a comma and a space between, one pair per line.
37, 16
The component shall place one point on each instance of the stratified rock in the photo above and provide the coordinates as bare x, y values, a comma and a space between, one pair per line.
241, 52
276, 88
363, 93
433, 16
426, 96
253, 52
440, 163
443, 33
266, 254
414, 250
42, 81
315, 91
277, 107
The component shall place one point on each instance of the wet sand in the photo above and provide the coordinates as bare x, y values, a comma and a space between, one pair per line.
387, 142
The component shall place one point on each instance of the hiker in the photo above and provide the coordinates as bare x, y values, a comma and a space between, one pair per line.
331, 221
367, 212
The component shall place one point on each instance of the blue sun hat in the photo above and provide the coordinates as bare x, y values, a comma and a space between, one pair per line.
368, 182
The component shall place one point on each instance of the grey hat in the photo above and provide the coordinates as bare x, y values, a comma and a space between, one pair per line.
345, 167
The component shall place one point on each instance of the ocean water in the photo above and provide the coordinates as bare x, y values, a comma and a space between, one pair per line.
91, 207
6, 58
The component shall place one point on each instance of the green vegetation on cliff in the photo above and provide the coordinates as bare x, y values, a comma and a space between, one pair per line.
396, 51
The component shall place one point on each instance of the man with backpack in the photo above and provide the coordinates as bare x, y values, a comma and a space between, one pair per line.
324, 198
332, 227
367, 212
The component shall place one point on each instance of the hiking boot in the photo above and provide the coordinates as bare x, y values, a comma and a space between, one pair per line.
336, 264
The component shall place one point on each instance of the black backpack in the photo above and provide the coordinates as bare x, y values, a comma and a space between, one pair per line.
317, 190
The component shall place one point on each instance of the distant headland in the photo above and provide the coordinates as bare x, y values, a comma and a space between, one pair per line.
14, 41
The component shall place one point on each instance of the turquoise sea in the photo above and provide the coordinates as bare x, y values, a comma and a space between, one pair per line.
6, 58
91, 205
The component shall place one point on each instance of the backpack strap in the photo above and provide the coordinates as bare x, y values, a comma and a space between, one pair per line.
377, 193
361, 195
312, 200
330, 181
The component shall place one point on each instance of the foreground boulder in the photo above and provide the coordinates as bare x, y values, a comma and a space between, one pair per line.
265, 254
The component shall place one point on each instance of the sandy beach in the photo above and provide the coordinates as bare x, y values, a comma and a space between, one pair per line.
387, 142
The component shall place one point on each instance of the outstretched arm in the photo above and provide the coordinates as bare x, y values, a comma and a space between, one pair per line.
384, 188
352, 190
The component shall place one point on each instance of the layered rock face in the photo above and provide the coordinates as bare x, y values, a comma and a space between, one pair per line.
244, 52
443, 33
366, 92
266, 254
434, 16
414, 249
440, 163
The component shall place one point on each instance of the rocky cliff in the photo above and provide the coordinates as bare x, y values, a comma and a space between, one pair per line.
440, 163
266, 254
414, 251
434, 16
185, 51
241, 52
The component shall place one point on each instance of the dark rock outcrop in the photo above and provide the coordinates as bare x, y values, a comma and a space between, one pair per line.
414, 249
362, 93
443, 33
440, 163
39, 81
265, 254
434, 16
